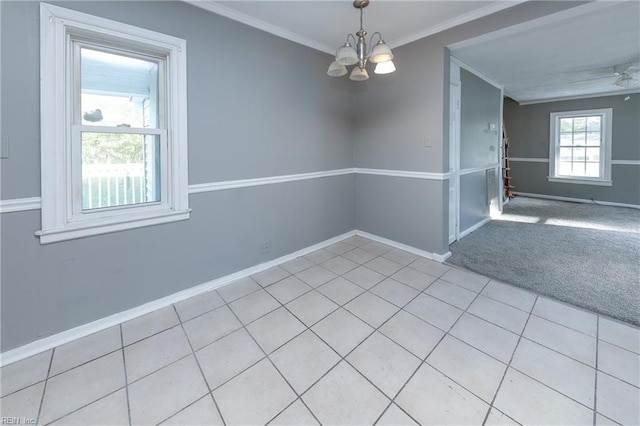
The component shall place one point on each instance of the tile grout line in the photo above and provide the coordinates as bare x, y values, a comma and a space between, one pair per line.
180, 322
338, 255
266, 356
85, 405
309, 328
44, 389
381, 325
321, 339
506, 370
343, 358
126, 377
520, 337
424, 360
402, 308
206, 382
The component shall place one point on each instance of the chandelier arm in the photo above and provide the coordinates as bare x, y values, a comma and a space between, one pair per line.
353, 38
371, 44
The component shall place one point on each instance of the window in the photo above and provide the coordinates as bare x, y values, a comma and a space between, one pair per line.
581, 147
114, 126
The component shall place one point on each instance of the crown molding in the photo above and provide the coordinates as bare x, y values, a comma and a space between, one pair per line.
217, 8
575, 97
459, 20
227, 12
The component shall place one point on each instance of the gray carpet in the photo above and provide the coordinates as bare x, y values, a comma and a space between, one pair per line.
584, 254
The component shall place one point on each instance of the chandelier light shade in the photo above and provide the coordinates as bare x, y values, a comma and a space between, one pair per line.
359, 74
336, 69
346, 55
385, 68
381, 53
360, 55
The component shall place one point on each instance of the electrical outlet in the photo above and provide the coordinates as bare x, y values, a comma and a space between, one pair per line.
265, 246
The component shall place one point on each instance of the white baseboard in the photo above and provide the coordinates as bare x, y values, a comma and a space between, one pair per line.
410, 249
576, 200
58, 339
61, 338
473, 228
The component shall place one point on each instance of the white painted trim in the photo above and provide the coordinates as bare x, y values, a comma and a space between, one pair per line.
477, 73
235, 15
529, 160
404, 174
626, 162
433, 256
67, 336
58, 339
576, 97
604, 179
227, 12
534, 23
106, 227
243, 183
576, 200
478, 169
458, 20
584, 181
35, 203
475, 227
20, 205
546, 160
59, 28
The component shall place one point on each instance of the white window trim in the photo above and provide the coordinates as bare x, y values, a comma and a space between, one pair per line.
56, 23
605, 161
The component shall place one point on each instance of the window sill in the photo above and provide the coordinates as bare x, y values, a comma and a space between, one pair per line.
73, 231
579, 181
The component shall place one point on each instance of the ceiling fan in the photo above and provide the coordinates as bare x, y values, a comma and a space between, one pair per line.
628, 75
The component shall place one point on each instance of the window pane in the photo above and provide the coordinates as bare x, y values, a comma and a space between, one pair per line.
579, 138
593, 138
566, 125
564, 168
566, 139
117, 90
578, 154
565, 154
119, 169
593, 124
579, 124
578, 169
593, 170
593, 154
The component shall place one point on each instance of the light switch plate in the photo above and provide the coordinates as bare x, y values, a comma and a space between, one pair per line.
4, 146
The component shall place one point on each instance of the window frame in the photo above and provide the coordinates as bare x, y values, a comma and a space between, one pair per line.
60, 31
606, 115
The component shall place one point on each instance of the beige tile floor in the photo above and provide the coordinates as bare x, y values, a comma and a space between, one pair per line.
357, 333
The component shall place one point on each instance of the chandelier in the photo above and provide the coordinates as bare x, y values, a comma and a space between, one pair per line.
347, 55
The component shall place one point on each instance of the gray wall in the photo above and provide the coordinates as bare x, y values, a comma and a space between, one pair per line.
266, 109
528, 129
479, 106
399, 110
474, 205
385, 205
479, 147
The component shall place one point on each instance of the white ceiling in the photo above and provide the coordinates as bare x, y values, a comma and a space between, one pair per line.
537, 60
324, 24
567, 55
